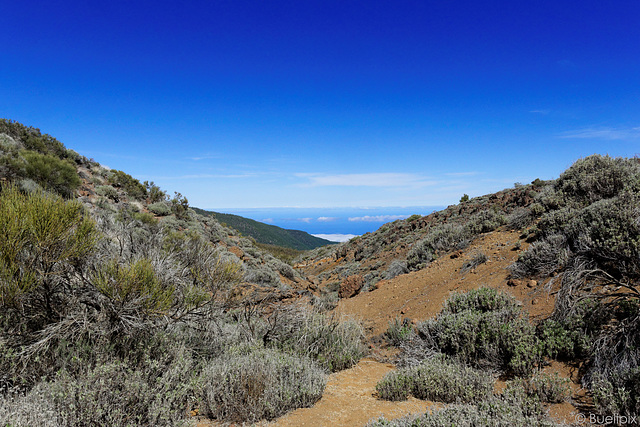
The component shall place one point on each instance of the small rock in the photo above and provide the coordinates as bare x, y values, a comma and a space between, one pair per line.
351, 286
513, 282
532, 283
535, 301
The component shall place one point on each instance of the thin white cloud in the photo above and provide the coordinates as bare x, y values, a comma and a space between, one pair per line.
327, 218
543, 112
307, 220
607, 133
377, 218
367, 180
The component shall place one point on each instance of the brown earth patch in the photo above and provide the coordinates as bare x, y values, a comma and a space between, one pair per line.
421, 294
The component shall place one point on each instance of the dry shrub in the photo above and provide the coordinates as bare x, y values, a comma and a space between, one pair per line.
263, 384
436, 379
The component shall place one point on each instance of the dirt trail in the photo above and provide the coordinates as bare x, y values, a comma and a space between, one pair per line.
349, 400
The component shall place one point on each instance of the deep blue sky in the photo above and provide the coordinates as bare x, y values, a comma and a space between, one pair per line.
327, 103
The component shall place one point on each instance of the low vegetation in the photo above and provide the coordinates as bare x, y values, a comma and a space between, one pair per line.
120, 305
111, 315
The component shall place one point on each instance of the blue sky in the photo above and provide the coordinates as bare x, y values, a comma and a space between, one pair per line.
247, 104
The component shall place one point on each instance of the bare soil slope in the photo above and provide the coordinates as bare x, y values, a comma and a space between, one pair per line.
350, 397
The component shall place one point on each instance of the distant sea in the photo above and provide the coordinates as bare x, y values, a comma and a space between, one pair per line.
335, 224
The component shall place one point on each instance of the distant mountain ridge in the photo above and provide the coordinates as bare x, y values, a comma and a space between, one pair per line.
268, 234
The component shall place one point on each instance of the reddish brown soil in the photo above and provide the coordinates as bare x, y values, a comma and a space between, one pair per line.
350, 398
420, 295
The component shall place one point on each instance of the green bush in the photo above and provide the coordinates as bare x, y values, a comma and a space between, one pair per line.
32, 139
263, 384
395, 386
48, 171
617, 393
129, 184
570, 336
42, 238
154, 193
134, 288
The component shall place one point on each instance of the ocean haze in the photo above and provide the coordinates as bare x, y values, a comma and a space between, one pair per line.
336, 224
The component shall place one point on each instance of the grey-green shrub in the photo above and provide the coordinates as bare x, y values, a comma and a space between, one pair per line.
395, 269
151, 391
399, 331
436, 379
476, 259
493, 412
481, 300
484, 328
263, 384
598, 177
160, 208
334, 343
542, 258
520, 218
107, 191
543, 387
485, 221
442, 238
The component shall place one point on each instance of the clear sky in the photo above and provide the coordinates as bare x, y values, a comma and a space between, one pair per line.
327, 103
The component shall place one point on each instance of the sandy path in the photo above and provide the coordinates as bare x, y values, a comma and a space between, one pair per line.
349, 400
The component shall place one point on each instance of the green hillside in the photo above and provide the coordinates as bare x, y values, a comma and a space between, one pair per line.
268, 234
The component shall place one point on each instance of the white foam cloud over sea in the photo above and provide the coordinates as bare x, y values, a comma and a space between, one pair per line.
336, 237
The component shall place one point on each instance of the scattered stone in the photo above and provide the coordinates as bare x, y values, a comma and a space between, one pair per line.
532, 283
514, 282
351, 286
535, 301
456, 254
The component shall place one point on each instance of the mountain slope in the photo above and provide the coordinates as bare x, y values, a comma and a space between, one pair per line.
268, 234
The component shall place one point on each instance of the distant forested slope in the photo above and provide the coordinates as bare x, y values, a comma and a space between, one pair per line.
268, 234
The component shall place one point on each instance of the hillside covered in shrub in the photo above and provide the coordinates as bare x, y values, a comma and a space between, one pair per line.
120, 305
579, 243
268, 234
